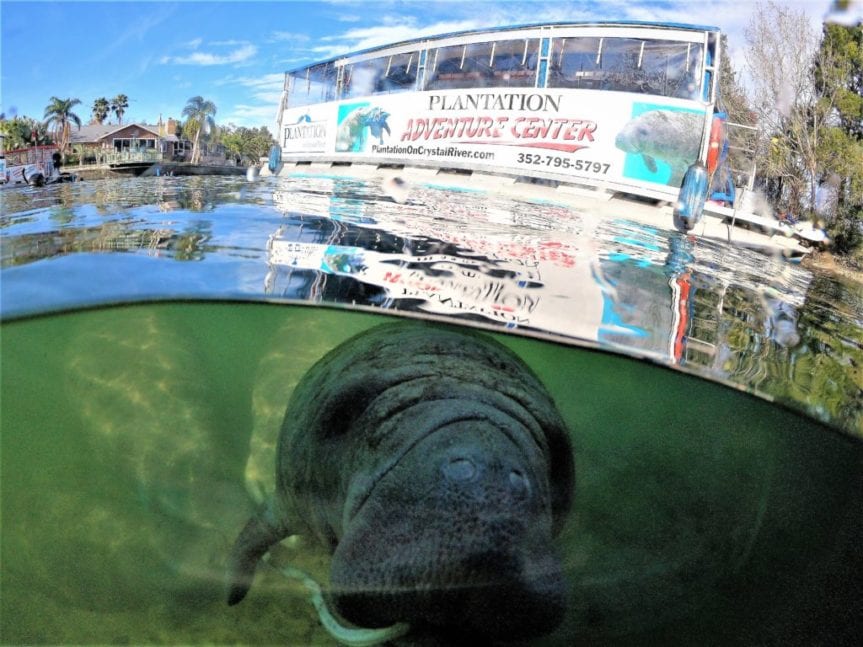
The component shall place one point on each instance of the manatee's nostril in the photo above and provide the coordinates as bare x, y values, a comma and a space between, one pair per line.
519, 483
460, 469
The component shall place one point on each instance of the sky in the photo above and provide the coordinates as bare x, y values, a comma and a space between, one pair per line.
235, 53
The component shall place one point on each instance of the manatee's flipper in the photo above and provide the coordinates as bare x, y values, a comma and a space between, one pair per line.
256, 538
650, 163
383, 126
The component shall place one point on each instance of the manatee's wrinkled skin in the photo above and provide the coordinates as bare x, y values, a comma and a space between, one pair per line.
436, 467
351, 135
672, 136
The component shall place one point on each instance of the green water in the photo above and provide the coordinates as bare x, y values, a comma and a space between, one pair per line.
132, 435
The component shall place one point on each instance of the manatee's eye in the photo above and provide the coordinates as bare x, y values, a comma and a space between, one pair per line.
459, 468
519, 483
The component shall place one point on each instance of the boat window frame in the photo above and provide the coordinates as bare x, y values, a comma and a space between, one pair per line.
529, 45
304, 77
675, 85
552, 35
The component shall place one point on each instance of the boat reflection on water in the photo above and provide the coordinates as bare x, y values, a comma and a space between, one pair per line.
538, 269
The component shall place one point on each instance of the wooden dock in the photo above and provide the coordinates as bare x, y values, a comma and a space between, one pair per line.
145, 164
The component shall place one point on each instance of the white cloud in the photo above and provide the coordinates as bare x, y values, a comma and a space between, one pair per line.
261, 95
266, 88
139, 30
278, 36
239, 55
251, 116
393, 30
228, 43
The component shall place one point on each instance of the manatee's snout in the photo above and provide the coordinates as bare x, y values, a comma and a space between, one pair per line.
505, 597
456, 535
631, 138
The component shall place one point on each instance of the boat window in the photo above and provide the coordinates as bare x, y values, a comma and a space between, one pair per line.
312, 85
621, 61
574, 63
666, 68
504, 63
460, 66
400, 75
674, 69
708, 89
658, 67
514, 63
364, 78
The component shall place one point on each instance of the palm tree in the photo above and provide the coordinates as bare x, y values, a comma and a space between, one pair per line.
101, 108
21, 132
200, 112
58, 116
119, 105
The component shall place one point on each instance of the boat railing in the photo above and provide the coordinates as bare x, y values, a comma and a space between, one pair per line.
665, 65
742, 143
132, 156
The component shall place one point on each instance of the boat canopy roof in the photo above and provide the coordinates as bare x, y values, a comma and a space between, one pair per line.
508, 28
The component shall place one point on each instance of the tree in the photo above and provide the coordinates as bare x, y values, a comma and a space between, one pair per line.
119, 105
58, 117
733, 96
101, 109
189, 131
838, 77
199, 115
843, 45
19, 133
250, 144
808, 94
781, 48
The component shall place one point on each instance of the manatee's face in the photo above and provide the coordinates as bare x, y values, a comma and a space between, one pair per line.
456, 535
635, 137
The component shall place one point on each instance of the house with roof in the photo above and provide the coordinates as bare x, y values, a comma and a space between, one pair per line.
92, 141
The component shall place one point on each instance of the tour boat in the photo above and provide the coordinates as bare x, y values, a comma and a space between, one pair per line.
605, 111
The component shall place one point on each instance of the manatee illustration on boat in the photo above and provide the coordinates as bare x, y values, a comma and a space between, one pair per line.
352, 133
436, 468
669, 136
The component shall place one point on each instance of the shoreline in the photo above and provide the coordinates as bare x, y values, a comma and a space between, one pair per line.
88, 173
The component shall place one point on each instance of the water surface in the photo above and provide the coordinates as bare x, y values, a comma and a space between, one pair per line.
531, 265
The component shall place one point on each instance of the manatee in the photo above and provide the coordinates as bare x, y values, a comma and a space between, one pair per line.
671, 136
351, 135
435, 467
